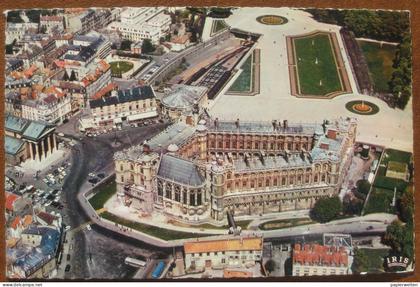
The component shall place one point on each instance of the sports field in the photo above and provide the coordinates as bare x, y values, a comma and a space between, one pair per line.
316, 65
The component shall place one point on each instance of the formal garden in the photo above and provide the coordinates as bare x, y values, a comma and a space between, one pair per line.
120, 67
362, 107
272, 20
316, 65
243, 82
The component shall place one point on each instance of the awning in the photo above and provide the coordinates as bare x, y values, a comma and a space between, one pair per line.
142, 116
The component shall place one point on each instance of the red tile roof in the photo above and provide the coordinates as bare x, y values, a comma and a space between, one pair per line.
48, 218
15, 222
316, 254
10, 200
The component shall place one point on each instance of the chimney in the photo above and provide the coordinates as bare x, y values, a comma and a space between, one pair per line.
146, 148
279, 124
332, 134
216, 122
274, 125
237, 123
325, 146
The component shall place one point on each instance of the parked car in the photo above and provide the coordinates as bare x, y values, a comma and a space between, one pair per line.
67, 268
88, 227
68, 257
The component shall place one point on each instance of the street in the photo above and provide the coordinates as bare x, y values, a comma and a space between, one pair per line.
96, 155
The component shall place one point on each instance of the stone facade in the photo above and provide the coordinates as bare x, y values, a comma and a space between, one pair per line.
245, 168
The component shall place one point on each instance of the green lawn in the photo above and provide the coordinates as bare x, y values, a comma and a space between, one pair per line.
243, 82
218, 25
285, 223
397, 156
379, 60
316, 67
120, 67
243, 224
380, 201
105, 192
159, 232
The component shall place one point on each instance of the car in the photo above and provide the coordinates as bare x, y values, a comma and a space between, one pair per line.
93, 180
67, 227
48, 203
88, 227
91, 174
67, 268
68, 257
101, 175
61, 207
60, 134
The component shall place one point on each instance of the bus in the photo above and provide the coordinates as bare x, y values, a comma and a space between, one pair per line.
158, 270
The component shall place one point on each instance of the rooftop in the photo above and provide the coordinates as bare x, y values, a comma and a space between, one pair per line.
260, 127
235, 244
316, 254
12, 145
183, 96
180, 170
124, 96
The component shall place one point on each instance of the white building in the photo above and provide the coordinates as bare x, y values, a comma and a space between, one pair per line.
52, 23
16, 31
126, 105
222, 253
137, 24
49, 108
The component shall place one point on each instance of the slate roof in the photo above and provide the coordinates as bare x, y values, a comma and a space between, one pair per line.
123, 96
15, 124
183, 96
12, 145
37, 257
180, 170
34, 130
261, 127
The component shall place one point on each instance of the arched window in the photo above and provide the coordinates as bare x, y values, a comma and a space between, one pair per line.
199, 199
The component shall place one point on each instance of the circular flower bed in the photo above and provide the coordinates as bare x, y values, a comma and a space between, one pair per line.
272, 20
362, 107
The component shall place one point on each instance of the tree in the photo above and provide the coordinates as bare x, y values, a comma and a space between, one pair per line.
400, 238
147, 46
363, 186
73, 76
126, 45
406, 206
326, 209
360, 261
352, 205
65, 76
270, 265
400, 83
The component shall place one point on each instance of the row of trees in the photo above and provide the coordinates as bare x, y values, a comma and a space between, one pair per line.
399, 235
400, 83
379, 25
